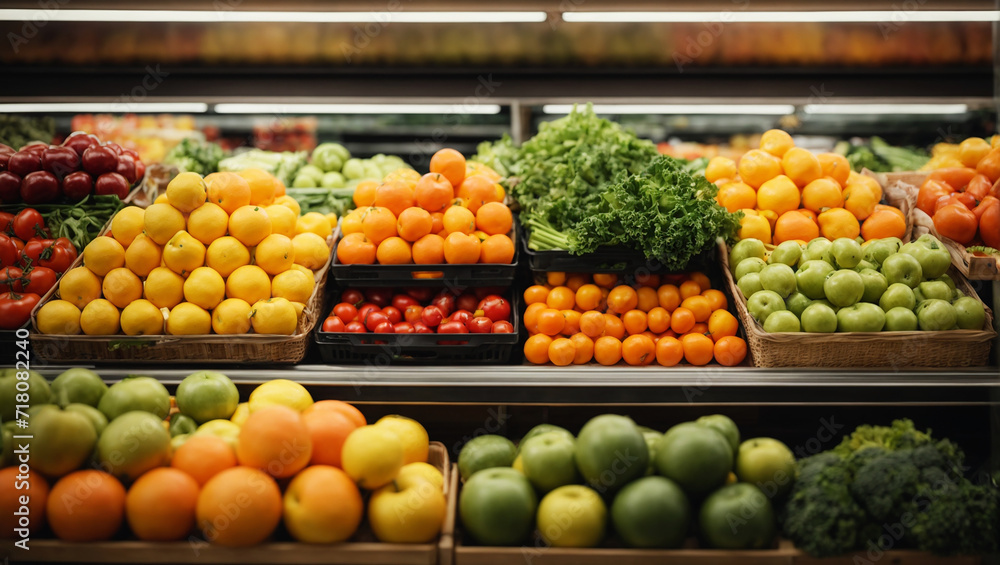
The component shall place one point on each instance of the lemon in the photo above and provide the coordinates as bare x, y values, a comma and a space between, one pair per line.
223, 429
143, 255
250, 225
142, 317
231, 316
261, 186
186, 192
100, 317
293, 285
227, 254
121, 286
352, 222
333, 219
290, 203
162, 221
228, 190
282, 392
314, 222
241, 414
299, 307
204, 287
273, 316
189, 319
412, 436
183, 253
304, 271
161, 199
80, 286
372, 456
128, 223
311, 250
59, 317
208, 223
249, 283
275, 254
282, 219
164, 288
103, 254
426, 471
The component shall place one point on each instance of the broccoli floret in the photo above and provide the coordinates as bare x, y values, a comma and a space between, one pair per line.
821, 516
883, 481
957, 517
901, 435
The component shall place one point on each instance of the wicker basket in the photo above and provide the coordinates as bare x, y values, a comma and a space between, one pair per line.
955, 348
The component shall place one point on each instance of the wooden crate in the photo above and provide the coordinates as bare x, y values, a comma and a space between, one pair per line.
898, 557
363, 549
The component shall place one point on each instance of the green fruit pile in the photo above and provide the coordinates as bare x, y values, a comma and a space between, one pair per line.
652, 487
842, 286
333, 167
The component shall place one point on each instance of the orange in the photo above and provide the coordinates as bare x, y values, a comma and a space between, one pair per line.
807, 213
776, 142
203, 457
669, 297
882, 224
868, 181
459, 220
561, 298
475, 168
239, 507
658, 320
682, 320
531, 316
584, 347
562, 352
669, 351
821, 194
262, 186
160, 505
716, 298
575, 281
835, 166
274, 439
646, 298
606, 280
428, 250
37, 491
795, 225
414, 223
550, 321
364, 194
730, 351
588, 296
593, 323
757, 167
698, 349
340, 407
497, 249
690, 288
699, 328
613, 326
395, 196
460, 248
736, 195
536, 293
860, 199
86, 505
699, 306
536, 349
778, 195
476, 191
721, 324
622, 299
838, 222
434, 192
494, 218
720, 168
704, 283
308, 513
449, 163
378, 223
651, 280
228, 190
801, 166
638, 350
893, 209
555, 278
356, 249
327, 430
572, 325
607, 350
634, 322
394, 251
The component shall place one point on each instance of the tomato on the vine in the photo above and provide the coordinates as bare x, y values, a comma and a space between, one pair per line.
58, 260
15, 309
6, 219
40, 280
11, 279
9, 254
28, 223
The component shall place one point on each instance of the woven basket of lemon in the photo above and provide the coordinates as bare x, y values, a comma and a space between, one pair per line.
217, 269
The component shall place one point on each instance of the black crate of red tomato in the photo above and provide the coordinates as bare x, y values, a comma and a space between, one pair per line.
419, 325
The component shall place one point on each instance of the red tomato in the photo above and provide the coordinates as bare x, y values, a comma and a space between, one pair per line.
364, 310
452, 328
345, 311
40, 280
33, 250
59, 260
963, 198
495, 308
393, 313
334, 324
6, 219
432, 316
503, 327
374, 319
412, 313
445, 301
957, 222
355, 327
421, 295
11, 280
380, 297
995, 190
352, 296
403, 328
480, 325
929, 194
402, 301
9, 254
28, 223
989, 222
384, 328
421, 328
956, 177
467, 301
979, 186
15, 309
66, 244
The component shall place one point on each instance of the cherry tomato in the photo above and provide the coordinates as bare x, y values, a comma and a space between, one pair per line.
394, 315
385, 328
40, 280
957, 222
364, 310
380, 297
6, 219
355, 327
28, 223
402, 301
467, 301
421, 295
421, 328
461, 316
412, 313
9, 254
59, 260
334, 324
432, 316
374, 318
352, 296
11, 279
495, 308
403, 328
445, 301
345, 311
452, 328
480, 325
503, 327
15, 309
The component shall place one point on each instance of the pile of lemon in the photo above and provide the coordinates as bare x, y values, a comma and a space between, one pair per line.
227, 253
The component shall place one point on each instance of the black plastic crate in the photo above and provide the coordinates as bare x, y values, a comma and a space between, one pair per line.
384, 349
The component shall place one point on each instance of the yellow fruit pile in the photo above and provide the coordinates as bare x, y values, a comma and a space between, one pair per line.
228, 253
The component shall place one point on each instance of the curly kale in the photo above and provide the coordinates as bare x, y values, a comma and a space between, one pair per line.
192, 155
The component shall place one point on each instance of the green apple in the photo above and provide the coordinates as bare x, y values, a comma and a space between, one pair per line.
788, 252
844, 287
897, 295
652, 512
956, 294
548, 461
59, 441
862, 317
818, 249
936, 315
932, 255
819, 318
652, 438
746, 248
311, 171
865, 265
93, 414
875, 285
737, 516
572, 516
750, 284
900, 319
782, 321
935, 289
610, 452
763, 303
78, 385
132, 444
811, 276
767, 463
699, 458
918, 296
497, 507
902, 268
485, 452
304, 181
846, 253
135, 393
333, 179
354, 168
182, 425
539, 430
207, 395
778, 277
947, 280
797, 303
877, 251
725, 425
747, 266
969, 313
38, 392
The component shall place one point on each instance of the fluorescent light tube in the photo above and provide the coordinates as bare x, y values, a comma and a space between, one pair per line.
732, 16
457, 108
886, 108
107, 107
217, 16
727, 109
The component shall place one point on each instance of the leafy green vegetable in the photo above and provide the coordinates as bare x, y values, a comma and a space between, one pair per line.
17, 131
80, 222
500, 155
193, 155
880, 157
323, 200
282, 165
